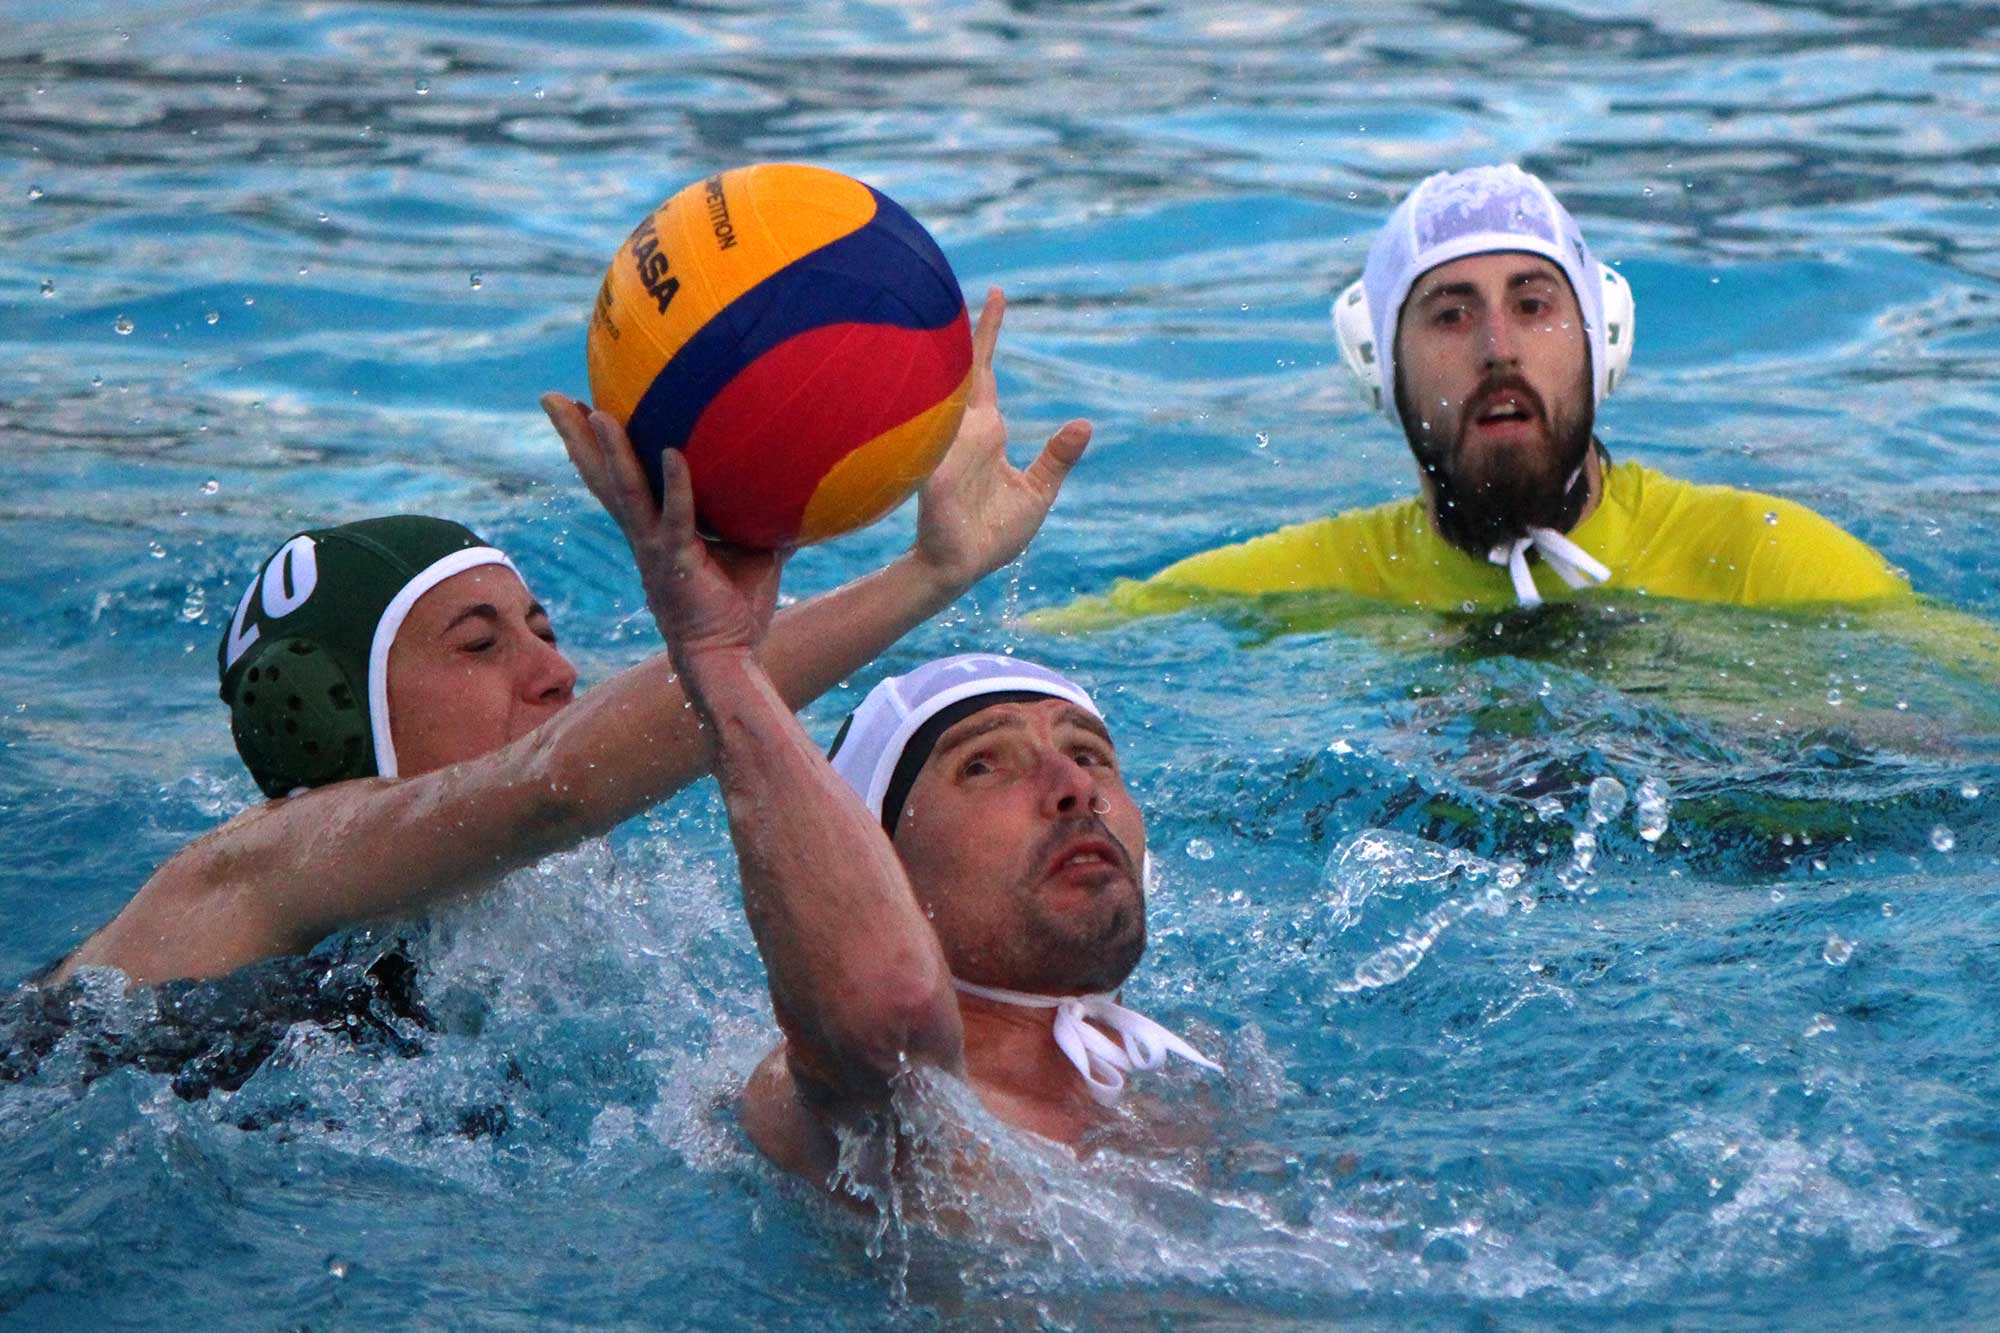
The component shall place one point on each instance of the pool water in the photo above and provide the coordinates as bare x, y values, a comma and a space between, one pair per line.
1617, 964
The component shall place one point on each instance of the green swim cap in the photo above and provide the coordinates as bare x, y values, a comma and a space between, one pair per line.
305, 660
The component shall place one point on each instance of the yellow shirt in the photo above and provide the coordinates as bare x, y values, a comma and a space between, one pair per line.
1657, 535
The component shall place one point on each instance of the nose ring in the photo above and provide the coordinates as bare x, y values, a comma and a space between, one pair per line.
1100, 805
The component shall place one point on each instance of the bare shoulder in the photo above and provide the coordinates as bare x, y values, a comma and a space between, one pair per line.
782, 1122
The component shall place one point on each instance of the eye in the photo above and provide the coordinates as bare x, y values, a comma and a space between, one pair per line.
479, 645
977, 766
1091, 756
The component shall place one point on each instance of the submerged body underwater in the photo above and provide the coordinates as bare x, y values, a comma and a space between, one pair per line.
1618, 962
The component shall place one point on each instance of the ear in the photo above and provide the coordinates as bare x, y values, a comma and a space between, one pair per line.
1354, 326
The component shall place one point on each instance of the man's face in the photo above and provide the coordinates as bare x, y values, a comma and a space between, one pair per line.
1025, 850
473, 667
1493, 385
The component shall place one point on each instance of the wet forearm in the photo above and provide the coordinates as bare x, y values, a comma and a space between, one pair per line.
633, 740
853, 962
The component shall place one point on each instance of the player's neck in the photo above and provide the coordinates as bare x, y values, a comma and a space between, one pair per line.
1012, 1050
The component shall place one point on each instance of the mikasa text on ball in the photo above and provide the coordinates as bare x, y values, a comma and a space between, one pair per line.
798, 336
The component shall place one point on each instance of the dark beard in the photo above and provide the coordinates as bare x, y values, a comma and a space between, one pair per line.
1493, 496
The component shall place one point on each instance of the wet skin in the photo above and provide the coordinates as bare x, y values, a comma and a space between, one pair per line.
474, 666
1023, 847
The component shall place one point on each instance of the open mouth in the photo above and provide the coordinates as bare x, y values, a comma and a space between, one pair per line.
1504, 407
1083, 855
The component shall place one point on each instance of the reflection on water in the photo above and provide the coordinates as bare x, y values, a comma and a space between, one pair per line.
1502, 1046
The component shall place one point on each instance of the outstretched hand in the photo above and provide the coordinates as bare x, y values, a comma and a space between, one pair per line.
977, 511
704, 595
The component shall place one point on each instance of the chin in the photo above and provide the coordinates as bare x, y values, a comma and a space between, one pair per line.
1070, 954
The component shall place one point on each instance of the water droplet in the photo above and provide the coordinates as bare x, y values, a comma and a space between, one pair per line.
211, 486
249, 300
478, 280
48, 287
540, 93
97, 381
1650, 809
157, 551
1508, 876
213, 317
1902, 705
1199, 849
34, 193
1584, 845
323, 217
1771, 517
1777, 895
1263, 439
1647, 192
195, 604
1943, 839
336, 1267
303, 270
1970, 791
1837, 950
423, 87
1607, 799
1820, 1023
122, 325
1888, 909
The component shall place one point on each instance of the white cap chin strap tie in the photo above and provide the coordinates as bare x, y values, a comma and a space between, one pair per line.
1577, 567
1103, 1063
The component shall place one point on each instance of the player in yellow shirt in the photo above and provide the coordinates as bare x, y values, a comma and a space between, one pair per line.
1496, 335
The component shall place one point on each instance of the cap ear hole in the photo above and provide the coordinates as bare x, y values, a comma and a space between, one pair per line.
249, 697
291, 726
253, 677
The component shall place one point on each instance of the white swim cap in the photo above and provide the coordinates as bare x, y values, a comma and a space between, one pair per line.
1477, 211
870, 747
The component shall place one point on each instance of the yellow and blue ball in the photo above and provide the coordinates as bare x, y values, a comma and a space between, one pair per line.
798, 336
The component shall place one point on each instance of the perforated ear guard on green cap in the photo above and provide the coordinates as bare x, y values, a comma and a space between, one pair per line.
304, 661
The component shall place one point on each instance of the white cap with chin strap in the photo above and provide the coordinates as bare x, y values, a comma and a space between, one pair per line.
869, 753
1483, 210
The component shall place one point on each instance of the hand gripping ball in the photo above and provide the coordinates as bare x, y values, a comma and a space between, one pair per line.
798, 337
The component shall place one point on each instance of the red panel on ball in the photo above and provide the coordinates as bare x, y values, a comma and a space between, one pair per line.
852, 382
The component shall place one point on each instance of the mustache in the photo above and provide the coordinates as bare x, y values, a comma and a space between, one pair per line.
1080, 826
1496, 383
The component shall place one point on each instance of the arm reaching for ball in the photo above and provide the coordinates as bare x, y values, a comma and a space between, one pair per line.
976, 513
282, 875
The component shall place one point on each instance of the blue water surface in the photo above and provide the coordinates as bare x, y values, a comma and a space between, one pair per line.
1614, 965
